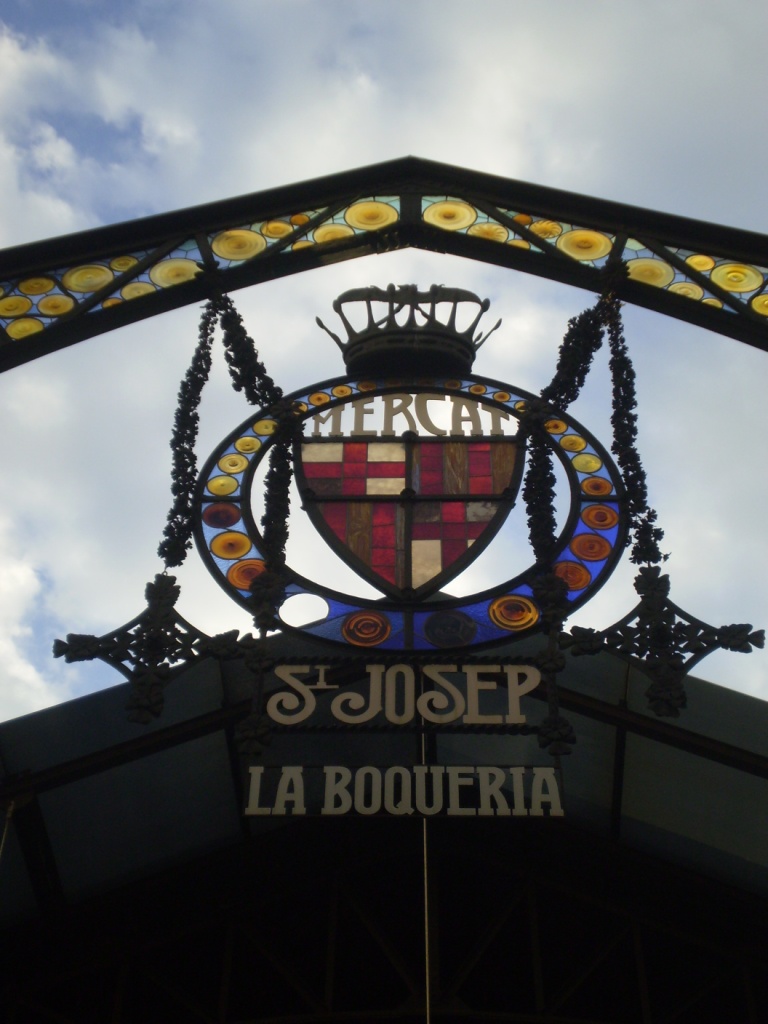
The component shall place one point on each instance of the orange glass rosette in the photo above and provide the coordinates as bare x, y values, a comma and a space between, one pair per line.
576, 575
366, 628
513, 612
600, 517
596, 486
221, 514
590, 547
231, 544
242, 574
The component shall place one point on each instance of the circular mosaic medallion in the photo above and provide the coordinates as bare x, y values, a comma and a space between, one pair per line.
233, 463
370, 216
123, 263
576, 575
221, 515
168, 273
238, 244
596, 486
247, 445
56, 305
222, 485
276, 228
136, 289
600, 517
450, 215
590, 547
231, 544
582, 244
450, 629
15, 305
332, 232
491, 232
513, 613
737, 277
556, 427
23, 327
242, 574
37, 285
366, 629
546, 228
573, 443
587, 463
87, 278
265, 426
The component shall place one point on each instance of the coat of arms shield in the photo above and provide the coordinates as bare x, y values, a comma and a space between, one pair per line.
408, 513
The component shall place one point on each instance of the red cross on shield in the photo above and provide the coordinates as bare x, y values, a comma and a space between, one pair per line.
408, 514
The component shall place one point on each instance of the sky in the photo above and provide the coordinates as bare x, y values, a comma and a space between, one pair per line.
110, 114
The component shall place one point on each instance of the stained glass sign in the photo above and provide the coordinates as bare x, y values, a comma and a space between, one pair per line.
410, 508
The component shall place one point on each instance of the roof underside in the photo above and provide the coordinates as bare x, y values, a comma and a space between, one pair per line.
60, 291
134, 889
685, 792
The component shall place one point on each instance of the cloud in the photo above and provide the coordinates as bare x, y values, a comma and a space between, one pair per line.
107, 116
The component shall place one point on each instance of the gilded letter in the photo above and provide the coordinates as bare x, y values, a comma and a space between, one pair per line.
491, 780
431, 701
254, 792
475, 683
458, 777
355, 702
290, 789
337, 798
281, 702
519, 681
545, 790
397, 405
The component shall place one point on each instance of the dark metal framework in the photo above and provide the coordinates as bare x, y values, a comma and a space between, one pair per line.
64, 290
251, 937
528, 926
540, 924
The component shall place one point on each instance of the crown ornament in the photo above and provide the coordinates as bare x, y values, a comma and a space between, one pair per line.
407, 330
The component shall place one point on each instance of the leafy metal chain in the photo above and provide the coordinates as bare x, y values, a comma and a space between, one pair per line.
248, 375
581, 342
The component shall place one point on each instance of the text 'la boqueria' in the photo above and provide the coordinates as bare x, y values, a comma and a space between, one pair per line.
393, 692
404, 790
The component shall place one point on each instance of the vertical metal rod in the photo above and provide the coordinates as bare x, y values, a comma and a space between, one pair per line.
427, 992
427, 965
8, 815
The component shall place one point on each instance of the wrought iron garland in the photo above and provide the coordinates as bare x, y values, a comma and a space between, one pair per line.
657, 633
248, 375
583, 339
643, 531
